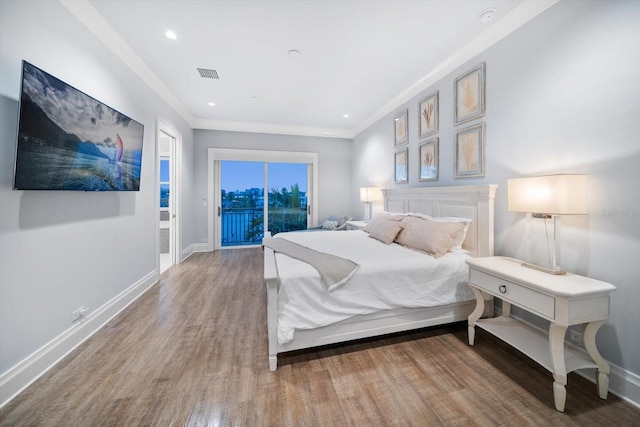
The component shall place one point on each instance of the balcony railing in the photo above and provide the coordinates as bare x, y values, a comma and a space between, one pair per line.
246, 226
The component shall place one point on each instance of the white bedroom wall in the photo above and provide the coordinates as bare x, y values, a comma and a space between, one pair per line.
563, 96
63, 250
334, 167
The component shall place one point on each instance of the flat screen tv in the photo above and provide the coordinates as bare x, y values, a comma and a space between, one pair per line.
68, 140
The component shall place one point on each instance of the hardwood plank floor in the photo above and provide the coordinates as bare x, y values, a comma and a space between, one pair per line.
193, 351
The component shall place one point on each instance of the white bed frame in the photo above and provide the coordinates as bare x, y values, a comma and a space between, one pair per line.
472, 201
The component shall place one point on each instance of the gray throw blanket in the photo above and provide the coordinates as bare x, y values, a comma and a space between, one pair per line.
334, 271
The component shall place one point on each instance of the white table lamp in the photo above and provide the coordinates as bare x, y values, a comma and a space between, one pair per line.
549, 197
368, 195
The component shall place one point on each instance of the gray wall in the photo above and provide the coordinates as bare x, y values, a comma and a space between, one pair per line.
334, 167
62, 250
563, 96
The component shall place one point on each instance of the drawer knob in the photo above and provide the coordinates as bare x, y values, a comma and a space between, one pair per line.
502, 289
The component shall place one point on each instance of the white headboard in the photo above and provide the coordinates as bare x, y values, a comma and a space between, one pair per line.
468, 201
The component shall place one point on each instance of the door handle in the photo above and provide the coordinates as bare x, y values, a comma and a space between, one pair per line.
308, 209
219, 210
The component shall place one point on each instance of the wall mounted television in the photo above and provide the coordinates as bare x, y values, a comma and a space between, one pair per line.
68, 140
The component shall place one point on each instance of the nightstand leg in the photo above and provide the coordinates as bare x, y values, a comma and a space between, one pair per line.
475, 314
556, 348
559, 395
589, 335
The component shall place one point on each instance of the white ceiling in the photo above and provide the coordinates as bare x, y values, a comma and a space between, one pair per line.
361, 58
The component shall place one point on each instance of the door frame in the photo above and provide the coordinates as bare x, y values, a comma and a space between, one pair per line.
215, 155
175, 205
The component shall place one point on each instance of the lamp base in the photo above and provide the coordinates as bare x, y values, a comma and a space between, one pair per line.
555, 271
367, 211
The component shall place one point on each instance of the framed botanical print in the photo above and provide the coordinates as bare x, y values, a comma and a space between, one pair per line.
428, 154
428, 109
400, 123
468, 152
401, 166
469, 95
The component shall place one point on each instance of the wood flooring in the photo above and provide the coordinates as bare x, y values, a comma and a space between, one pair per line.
192, 351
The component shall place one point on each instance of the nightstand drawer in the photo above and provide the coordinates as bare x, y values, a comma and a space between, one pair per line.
521, 296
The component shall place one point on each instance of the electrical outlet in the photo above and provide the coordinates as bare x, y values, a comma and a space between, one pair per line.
575, 336
79, 314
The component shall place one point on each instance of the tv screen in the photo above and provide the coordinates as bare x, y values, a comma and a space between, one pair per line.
68, 140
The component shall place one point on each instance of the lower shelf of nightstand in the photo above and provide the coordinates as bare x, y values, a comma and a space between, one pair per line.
533, 343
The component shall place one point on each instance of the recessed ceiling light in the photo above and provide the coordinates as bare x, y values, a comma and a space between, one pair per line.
211, 104
254, 98
487, 15
171, 35
346, 116
294, 52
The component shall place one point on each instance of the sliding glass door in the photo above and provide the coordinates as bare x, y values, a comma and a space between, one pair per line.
242, 202
255, 194
253, 191
287, 197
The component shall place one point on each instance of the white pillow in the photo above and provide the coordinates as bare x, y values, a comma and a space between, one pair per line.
385, 231
459, 238
435, 238
385, 216
342, 223
329, 225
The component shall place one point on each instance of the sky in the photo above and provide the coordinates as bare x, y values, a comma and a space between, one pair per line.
243, 175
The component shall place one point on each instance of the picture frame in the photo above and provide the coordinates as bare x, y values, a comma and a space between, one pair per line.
469, 95
400, 127
428, 111
428, 157
401, 166
469, 152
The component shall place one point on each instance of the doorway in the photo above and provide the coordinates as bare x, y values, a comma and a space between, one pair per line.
251, 191
257, 196
167, 190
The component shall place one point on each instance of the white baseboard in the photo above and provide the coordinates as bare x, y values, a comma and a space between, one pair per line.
622, 383
200, 247
193, 248
186, 253
18, 378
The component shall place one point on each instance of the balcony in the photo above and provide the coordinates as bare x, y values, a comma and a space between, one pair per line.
245, 226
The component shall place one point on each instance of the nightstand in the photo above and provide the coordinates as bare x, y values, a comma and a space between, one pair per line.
563, 300
356, 225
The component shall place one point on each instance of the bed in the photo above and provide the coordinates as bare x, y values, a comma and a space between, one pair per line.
291, 327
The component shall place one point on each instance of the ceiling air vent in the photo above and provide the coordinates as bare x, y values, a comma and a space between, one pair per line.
208, 74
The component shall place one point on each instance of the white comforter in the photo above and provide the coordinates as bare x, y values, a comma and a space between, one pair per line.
390, 276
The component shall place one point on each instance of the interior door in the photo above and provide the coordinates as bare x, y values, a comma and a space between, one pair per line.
167, 215
168, 158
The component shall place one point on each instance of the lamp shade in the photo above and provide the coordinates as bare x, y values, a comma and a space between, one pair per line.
370, 194
552, 194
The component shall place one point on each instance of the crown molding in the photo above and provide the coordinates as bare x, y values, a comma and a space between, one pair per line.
96, 24
271, 128
517, 17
